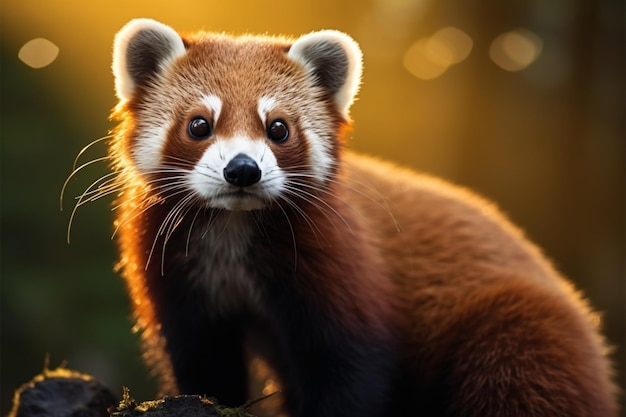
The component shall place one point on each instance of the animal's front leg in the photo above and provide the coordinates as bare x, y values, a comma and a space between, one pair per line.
326, 371
207, 354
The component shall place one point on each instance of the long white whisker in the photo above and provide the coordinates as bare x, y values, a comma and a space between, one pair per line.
137, 211
152, 187
92, 143
74, 172
82, 199
293, 238
173, 219
164, 192
297, 192
175, 216
299, 211
193, 221
108, 185
299, 189
161, 230
381, 201
208, 225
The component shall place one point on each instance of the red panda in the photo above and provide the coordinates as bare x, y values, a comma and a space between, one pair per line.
245, 225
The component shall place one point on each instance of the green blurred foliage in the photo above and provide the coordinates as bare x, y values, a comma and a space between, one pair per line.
547, 144
59, 300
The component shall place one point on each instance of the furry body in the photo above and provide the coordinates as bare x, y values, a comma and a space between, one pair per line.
368, 289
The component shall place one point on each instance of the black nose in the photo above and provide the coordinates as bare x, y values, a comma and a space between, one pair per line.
242, 171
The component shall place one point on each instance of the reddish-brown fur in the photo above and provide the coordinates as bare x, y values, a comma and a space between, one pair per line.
486, 306
453, 311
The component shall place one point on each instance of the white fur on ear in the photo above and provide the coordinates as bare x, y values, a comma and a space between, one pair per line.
142, 49
334, 58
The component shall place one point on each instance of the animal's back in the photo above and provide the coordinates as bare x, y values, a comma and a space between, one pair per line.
488, 308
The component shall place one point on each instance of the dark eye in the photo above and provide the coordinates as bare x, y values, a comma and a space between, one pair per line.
277, 131
199, 128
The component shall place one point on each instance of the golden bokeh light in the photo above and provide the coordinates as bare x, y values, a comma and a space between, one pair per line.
419, 62
428, 58
515, 50
38, 53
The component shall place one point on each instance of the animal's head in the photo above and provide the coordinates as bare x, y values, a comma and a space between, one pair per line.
234, 122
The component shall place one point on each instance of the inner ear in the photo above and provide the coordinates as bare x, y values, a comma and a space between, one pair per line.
329, 62
146, 52
143, 49
334, 60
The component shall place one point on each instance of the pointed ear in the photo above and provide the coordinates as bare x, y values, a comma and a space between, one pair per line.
143, 48
334, 59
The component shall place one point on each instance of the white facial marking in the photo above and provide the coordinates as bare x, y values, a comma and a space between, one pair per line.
266, 105
214, 104
208, 182
321, 160
150, 142
148, 146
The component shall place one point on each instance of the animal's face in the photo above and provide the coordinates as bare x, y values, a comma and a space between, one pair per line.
235, 123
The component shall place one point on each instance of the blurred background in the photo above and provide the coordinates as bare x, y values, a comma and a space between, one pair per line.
522, 101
